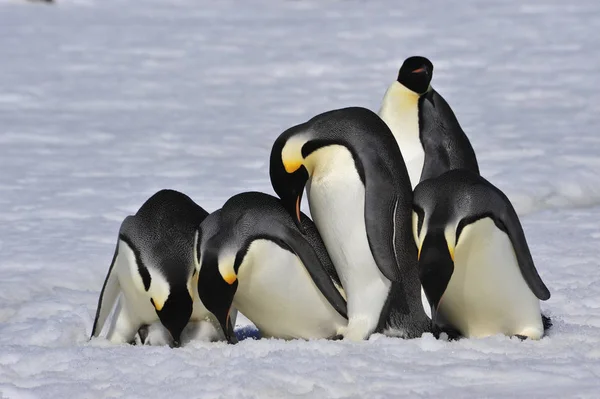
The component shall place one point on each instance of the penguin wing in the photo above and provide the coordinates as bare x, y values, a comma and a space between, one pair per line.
315, 240
507, 220
303, 249
388, 221
108, 296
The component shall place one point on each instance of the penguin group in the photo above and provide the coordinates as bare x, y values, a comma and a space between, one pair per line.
398, 209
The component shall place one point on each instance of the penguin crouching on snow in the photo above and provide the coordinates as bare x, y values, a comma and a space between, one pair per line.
427, 131
474, 261
154, 270
253, 256
360, 199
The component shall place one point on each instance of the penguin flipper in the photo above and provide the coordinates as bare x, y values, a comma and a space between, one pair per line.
388, 220
314, 238
504, 213
302, 248
108, 295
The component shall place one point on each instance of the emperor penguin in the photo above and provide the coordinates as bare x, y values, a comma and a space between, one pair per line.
474, 261
427, 131
253, 256
360, 199
154, 269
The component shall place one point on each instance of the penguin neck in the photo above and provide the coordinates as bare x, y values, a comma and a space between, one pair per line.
327, 162
400, 111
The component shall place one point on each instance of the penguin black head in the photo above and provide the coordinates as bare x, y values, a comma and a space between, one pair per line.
415, 74
217, 285
288, 172
175, 313
436, 266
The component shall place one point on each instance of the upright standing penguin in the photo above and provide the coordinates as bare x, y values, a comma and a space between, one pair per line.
154, 268
253, 256
474, 262
360, 199
427, 131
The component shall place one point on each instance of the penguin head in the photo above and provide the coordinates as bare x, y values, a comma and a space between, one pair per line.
169, 286
415, 74
435, 243
175, 313
290, 170
217, 284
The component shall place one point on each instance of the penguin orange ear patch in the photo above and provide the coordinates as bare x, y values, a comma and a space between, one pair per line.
230, 278
292, 166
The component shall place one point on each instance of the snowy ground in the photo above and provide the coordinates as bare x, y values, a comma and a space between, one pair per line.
103, 102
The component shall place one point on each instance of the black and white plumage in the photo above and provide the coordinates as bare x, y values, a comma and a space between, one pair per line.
254, 257
154, 270
474, 261
425, 127
360, 199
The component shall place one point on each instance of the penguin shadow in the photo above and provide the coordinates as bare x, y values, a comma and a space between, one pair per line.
156, 335
247, 332
449, 334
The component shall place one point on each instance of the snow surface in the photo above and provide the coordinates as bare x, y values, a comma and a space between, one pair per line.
103, 102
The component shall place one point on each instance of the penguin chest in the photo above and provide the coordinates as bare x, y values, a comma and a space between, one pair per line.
134, 295
400, 111
276, 292
487, 294
336, 197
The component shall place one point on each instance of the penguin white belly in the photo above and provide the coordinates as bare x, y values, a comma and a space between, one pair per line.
134, 307
337, 204
487, 294
400, 111
134, 297
276, 292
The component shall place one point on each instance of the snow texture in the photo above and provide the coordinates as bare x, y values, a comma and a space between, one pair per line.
104, 102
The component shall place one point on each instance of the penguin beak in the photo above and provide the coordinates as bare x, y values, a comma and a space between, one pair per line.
227, 327
422, 69
176, 343
293, 207
290, 189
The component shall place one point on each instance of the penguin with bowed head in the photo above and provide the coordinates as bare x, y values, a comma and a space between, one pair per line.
154, 270
360, 199
474, 261
253, 256
425, 127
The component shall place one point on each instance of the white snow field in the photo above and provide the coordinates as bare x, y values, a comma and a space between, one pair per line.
104, 102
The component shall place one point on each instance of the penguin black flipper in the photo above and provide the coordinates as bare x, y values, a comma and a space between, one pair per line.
314, 238
488, 201
382, 211
445, 144
296, 241
110, 291
503, 212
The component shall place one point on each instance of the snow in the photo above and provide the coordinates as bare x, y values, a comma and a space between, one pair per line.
104, 102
